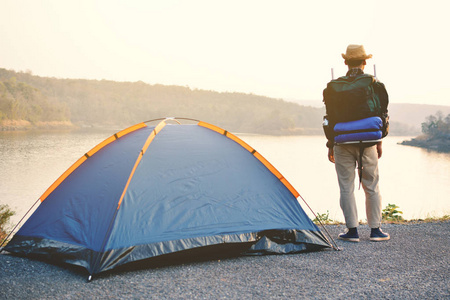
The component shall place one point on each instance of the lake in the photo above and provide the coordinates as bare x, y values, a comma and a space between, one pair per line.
416, 180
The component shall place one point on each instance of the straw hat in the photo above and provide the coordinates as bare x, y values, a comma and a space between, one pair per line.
356, 52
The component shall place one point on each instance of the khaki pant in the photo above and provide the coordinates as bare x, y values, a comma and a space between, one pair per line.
346, 160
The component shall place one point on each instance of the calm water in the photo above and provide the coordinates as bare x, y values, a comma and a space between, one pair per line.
416, 180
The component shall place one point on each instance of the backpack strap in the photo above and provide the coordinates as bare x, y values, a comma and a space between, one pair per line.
360, 165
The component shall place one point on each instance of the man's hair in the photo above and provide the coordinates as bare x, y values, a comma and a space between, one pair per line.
354, 63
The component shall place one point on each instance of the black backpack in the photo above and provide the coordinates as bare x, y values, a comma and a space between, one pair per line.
352, 98
355, 98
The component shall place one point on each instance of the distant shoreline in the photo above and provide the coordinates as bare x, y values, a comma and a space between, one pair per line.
27, 126
439, 144
23, 125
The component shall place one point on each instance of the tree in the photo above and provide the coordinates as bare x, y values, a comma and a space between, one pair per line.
436, 125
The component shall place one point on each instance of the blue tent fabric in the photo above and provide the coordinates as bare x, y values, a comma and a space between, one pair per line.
192, 188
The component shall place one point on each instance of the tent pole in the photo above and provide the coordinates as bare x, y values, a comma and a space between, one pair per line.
108, 232
15, 227
333, 245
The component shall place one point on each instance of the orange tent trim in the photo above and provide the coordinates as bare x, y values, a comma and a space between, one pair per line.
264, 161
94, 150
138, 160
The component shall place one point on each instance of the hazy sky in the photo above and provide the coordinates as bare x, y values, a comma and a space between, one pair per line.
281, 49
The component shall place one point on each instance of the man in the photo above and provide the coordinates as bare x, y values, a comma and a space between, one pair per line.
364, 154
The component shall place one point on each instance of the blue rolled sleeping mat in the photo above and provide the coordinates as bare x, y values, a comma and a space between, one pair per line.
364, 130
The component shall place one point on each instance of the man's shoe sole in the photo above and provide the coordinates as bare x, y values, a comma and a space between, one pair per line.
355, 240
380, 239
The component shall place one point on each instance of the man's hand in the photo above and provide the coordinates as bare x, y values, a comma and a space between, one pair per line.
331, 155
379, 149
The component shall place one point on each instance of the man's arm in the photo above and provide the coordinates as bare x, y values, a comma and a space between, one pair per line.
331, 155
383, 96
379, 149
328, 128
380, 90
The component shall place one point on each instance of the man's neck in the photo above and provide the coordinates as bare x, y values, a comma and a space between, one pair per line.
355, 71
360, 67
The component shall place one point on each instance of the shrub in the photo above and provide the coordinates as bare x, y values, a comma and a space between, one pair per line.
5, 214
390, 213
324, 219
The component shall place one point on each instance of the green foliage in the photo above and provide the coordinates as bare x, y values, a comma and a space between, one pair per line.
108, 103
324, 219
21, 101
5, 214
390, 213
436, 125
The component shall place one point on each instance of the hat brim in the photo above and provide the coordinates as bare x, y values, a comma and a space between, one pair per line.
356, 57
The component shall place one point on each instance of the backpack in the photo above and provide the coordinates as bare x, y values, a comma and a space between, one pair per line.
353, 98
355, 110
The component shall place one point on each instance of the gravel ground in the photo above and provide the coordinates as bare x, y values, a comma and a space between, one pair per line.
414, 264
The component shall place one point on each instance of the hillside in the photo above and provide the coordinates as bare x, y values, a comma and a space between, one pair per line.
29, 101
103, 103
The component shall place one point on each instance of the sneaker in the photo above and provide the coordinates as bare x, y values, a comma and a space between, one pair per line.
376, 235
350, 236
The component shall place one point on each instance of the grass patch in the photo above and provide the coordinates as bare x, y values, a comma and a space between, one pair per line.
390, 215
444, 218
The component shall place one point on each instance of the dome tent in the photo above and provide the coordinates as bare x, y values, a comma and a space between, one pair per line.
150, 191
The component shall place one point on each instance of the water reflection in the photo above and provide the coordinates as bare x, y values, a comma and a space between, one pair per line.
417, 180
